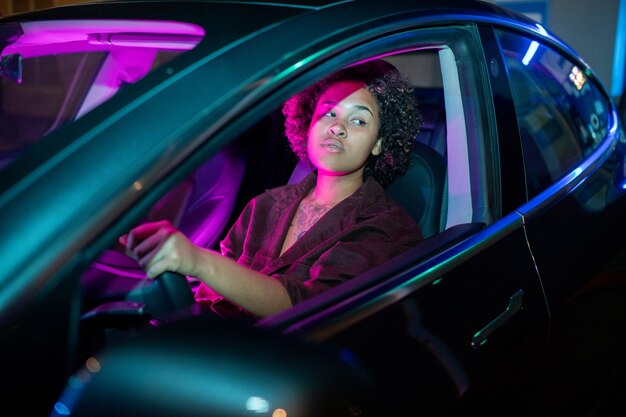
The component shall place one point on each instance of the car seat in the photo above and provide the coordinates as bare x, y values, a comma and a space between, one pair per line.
420, 190
426, 174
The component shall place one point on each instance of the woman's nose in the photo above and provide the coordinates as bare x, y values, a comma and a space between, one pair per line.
337, 130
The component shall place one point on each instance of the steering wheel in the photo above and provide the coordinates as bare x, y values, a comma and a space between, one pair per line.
165, 295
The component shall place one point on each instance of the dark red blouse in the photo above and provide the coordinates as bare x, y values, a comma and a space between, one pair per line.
361, 232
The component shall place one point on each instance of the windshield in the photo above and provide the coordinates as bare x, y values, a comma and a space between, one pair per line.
53, 72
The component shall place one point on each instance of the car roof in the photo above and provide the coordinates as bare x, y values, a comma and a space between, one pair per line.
307, 4
179, 9
252, 17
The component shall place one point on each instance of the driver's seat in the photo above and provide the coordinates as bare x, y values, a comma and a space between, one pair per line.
420, 190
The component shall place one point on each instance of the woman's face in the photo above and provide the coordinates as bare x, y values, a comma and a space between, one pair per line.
344, 130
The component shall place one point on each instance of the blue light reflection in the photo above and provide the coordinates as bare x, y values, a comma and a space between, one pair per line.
532, 49
541, 29
530, 53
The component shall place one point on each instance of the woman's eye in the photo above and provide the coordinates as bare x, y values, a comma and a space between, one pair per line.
359, 122
329, 114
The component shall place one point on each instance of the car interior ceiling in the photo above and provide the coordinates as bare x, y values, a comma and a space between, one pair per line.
208, 201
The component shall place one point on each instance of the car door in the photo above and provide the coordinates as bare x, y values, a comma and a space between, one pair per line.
463, 310
573, 153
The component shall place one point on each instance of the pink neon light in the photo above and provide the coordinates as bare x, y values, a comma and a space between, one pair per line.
65, 36
170, 41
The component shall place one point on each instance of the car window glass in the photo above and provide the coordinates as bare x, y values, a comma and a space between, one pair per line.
70, 67
562, 115
55, 83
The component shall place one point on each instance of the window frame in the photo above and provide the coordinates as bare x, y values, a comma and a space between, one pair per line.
385, 284
536, 205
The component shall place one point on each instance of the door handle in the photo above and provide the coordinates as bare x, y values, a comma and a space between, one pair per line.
515, 305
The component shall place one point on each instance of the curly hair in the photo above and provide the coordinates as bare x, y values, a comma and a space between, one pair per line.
400, 119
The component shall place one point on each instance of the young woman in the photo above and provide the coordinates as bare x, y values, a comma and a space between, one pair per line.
357, 128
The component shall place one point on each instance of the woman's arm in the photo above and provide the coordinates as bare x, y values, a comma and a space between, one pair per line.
159, 247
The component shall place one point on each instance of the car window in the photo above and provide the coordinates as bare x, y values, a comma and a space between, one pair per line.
449, 188
57, 83
562, 115
451, 93
70, 67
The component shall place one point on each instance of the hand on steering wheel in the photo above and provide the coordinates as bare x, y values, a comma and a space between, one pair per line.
159, 247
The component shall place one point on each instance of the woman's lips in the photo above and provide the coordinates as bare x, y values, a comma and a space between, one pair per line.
332, 145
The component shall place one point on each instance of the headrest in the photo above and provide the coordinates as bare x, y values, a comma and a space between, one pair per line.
420, 189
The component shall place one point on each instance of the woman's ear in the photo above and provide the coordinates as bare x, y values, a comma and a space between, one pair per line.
378, 147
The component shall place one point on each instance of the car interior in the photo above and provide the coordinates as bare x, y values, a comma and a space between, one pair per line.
206, 203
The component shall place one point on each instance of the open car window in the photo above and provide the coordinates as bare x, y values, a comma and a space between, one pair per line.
441, 189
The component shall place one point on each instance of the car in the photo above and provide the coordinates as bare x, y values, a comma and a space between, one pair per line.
117, 112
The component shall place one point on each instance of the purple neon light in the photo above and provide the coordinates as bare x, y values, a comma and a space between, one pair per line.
68, 36
173, 42
131, 46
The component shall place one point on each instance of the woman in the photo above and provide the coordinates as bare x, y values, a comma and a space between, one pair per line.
356, 128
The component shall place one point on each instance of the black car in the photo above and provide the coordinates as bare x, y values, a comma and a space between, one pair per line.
117, 112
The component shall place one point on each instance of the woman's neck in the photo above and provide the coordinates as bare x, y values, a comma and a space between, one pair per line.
330, 190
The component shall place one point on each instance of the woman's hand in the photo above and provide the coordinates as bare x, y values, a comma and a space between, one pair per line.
159, 247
